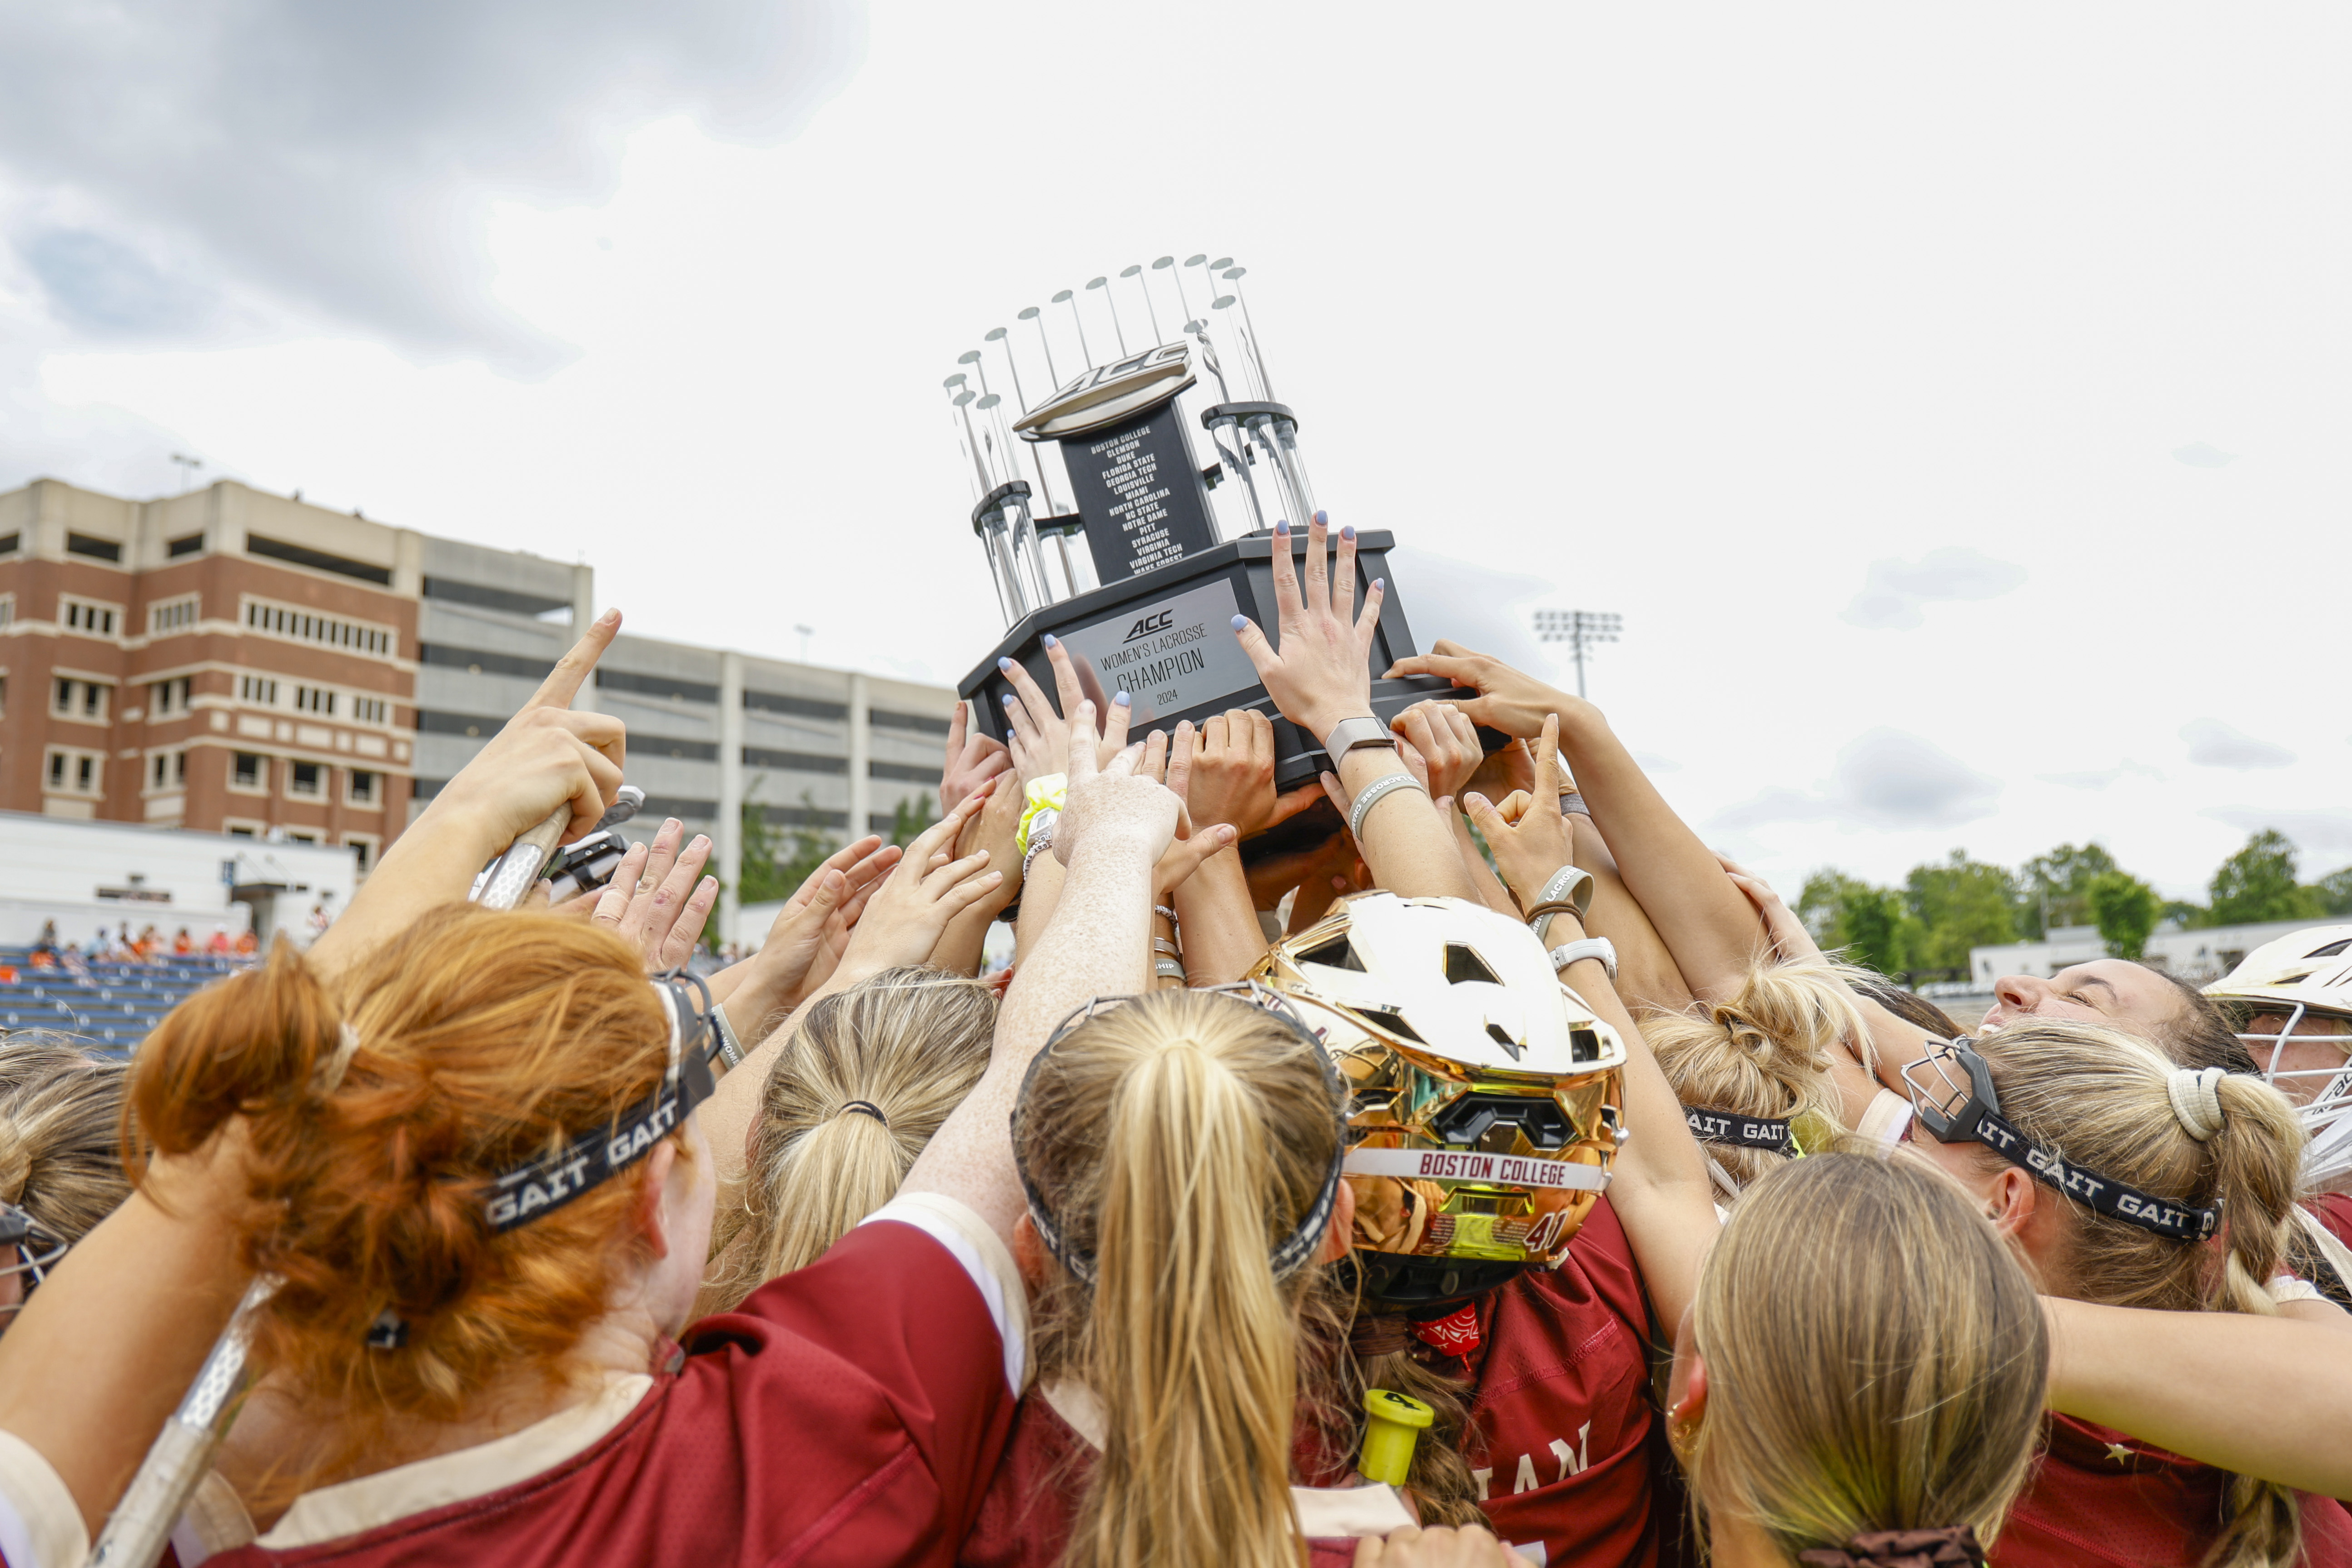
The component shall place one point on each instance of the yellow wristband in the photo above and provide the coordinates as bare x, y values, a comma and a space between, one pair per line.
1048, 792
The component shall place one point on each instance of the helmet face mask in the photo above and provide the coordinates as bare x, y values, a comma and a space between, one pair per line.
2293, 999
1483, 1096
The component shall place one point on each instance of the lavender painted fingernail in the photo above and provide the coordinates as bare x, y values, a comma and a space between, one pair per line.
1282, 528
1008, 699
1005, 665
1324, 517
1240, 621
1380, 582
1052, 641
1348, 532
1123, 699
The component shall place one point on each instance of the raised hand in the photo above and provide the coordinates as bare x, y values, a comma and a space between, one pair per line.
547, 757
1528, 833
1320, 674
1445, 743
546, 754
654, 902
1111, 803
1227, 772
903, 917
1041, 734
1508, 699
971, 762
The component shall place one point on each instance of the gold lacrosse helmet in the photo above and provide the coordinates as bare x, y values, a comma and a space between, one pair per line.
1484, 1096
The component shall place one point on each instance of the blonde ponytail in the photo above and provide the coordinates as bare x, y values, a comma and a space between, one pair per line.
866, 1080
1176, 1142
2109, 1102
61, 1121
1763, 1052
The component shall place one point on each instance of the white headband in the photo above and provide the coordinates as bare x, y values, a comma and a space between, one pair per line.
2196, 1100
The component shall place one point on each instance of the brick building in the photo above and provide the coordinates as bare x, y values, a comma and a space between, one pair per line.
184, 663
229, 660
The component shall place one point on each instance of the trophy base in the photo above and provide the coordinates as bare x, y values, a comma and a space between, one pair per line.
1166, 639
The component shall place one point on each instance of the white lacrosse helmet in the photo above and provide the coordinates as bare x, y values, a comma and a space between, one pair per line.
1485, 1096
2306, 976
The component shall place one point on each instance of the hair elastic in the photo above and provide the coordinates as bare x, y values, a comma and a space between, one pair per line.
865, 1108
1954, 1546
2196, 1100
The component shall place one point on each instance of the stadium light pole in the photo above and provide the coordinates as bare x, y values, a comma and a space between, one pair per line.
1579, 629
188, 466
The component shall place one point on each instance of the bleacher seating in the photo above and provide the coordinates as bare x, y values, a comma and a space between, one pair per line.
109, 1005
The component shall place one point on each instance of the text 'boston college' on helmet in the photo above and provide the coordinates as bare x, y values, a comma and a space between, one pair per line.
2293, 998
1484, 1096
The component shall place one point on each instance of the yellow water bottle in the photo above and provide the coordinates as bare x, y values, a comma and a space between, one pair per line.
1396, 1424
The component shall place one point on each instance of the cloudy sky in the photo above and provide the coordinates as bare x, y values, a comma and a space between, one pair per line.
1952, 401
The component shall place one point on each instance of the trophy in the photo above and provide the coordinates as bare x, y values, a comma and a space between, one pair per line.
1172, 547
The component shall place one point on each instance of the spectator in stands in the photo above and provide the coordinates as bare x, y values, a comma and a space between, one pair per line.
183, 944
218, 946
247, 944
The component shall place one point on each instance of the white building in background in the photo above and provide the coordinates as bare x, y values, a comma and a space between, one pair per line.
2199, 957
90, 877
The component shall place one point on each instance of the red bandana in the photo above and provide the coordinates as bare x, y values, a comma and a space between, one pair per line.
1455, 1334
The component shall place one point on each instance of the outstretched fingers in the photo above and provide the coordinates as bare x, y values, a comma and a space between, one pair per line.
572, 671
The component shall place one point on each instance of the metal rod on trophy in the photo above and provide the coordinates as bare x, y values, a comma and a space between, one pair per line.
1136, 272
1235, 276
1066, 298
1117, 330
1030, 314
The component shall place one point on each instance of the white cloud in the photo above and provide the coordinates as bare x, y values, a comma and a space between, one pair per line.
168, 172
2325, 835
1885, 778
2214, 744
1891, 598
2101, 778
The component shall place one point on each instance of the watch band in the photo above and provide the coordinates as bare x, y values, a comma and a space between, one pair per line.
1599, 947
1350, 734
730, 1049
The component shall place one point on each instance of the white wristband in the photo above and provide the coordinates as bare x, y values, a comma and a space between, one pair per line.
1380, 789
730, 1049
1569, 883
1599, 947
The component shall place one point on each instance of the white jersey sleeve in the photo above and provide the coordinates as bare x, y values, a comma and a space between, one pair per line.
40, 1523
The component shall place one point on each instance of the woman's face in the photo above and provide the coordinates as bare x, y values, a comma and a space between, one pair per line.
2103, 991
2318, 1048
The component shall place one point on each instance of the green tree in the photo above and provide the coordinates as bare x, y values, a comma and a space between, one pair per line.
1960, 905
2258, 883
2053, 889
2334, 891
1872, 925
777, 860
909, 818
2126, 910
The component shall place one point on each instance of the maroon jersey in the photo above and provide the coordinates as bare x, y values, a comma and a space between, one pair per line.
1561, 1423
2100, 1497
1032, 1504
2334, 1210
849, 1413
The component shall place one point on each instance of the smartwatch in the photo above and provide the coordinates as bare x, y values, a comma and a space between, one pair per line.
1349, 734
